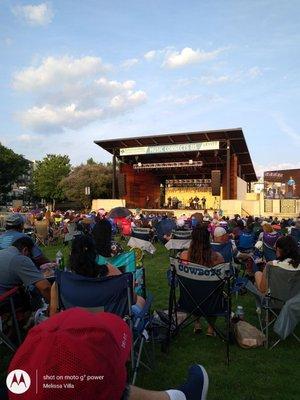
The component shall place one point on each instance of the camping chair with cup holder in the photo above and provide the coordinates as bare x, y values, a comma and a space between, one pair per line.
203, 292
280, 306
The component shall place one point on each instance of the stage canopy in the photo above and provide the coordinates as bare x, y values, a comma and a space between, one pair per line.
207, 149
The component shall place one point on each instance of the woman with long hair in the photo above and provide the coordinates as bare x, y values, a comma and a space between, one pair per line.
83, 261
201, 253
288, 257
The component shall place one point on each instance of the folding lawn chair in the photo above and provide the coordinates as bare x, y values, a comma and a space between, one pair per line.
8, 309
175, 245
295, 232
282, 302
269, 253
110, 294
203, 292
182, 234
127, 262
41, 233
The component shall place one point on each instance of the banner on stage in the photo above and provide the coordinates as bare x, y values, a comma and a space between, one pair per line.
171, 148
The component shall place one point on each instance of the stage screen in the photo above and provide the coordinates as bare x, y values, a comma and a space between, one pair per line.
282, 184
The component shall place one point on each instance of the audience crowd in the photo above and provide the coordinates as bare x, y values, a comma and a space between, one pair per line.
215, 239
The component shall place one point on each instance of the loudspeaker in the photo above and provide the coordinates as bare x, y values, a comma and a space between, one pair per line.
216, 182
122, 185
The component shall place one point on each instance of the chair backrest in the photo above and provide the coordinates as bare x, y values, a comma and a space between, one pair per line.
295, 232
126, 227
141, 233
184, 234
201, 288
245, 241
283, 284
225, 249
41, 229
111, 294
269, 252
165, 227
71, 227
125, 259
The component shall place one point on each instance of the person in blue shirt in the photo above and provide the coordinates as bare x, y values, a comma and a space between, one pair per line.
14, 226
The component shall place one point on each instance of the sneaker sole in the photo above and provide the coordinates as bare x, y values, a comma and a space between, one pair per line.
205, 383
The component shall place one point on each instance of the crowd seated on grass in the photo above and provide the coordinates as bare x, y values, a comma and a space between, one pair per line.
214, 240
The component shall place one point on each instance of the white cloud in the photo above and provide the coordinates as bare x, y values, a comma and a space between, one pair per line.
180, 100
49, 118
150, 55
25, 138
286, 129
110, 87
55, 71
69, 94
215, 80
177, 59
254, 72
260, 169
35, 15
7, 41
129, 63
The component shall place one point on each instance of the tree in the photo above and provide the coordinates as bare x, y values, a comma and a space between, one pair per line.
97, 176
48, 174
12, 165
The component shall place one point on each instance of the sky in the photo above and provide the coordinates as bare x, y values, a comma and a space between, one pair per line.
74, 71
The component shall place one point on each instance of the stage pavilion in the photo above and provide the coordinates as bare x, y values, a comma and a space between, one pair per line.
174, 170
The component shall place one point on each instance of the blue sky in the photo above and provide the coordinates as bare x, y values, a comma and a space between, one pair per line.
72, 72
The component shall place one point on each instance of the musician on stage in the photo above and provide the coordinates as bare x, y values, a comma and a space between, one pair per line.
196, 202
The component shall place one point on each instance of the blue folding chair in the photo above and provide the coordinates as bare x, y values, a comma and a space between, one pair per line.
295, 232
111, 294
225, 249
245, 242
203, 292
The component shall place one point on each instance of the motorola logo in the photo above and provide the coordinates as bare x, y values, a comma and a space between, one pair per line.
18, 381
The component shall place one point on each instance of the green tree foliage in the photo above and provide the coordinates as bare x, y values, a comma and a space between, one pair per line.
48, 174
97, 176
12, 165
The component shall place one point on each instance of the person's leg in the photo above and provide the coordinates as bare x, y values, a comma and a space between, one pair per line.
210, 329
195, 388
140, 301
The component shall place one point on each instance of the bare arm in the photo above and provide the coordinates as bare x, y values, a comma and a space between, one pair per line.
44, 288
53, 300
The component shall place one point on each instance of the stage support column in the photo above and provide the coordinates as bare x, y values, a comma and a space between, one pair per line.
114, 176
228, 170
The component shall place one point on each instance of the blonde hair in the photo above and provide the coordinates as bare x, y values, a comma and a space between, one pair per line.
267, 228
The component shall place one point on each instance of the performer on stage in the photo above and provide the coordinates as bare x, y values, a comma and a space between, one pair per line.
169, 202
203, 201
196, 202
291, 186
191, 203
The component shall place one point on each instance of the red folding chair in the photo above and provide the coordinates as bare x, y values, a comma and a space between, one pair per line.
7, 308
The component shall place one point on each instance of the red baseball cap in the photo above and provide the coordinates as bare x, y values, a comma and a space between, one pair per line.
74, 355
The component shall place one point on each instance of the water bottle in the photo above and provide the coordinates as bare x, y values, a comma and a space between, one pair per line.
59, 257
240, 312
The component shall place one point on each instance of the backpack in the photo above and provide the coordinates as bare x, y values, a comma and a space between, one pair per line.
247, 336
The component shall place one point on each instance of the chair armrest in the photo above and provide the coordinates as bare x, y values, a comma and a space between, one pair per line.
9, 293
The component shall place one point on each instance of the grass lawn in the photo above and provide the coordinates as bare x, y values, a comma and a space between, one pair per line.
255, 374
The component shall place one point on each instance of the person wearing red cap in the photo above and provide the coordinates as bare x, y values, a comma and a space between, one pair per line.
77, 354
